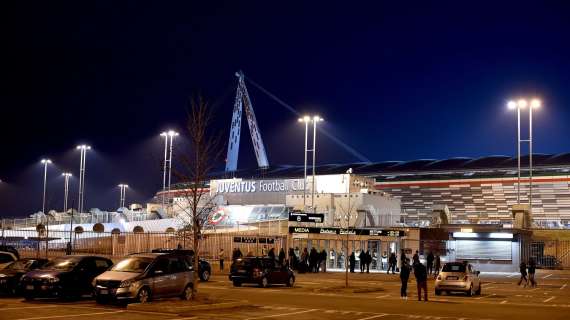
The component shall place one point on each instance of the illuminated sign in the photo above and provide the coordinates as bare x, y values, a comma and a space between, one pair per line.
249, 186
358, 232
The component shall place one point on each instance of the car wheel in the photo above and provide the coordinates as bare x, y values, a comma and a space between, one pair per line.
291, 281
478, 292
205, 275
437, 292
264, 283
187, 294
143, 296
470, 291
237, 284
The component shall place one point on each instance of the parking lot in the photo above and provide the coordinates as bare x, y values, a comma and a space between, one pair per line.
322, 296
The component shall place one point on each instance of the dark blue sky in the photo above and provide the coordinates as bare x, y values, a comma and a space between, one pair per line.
394, 81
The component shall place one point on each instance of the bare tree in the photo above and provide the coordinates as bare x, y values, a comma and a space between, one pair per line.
194, 170
343, 219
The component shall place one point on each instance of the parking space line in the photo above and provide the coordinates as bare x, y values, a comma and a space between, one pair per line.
564, 286
374, 316
71, 315
504, 301
549, 299
36, 307
482, 297
547, 276
382, 296
282, 314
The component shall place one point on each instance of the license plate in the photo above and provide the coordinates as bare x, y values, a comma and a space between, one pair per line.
452, 278
29, 287
103, 291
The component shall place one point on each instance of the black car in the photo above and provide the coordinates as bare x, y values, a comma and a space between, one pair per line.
65, 277
204, 267
263, 271
10, 276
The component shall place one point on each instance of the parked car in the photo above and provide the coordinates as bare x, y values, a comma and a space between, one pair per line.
7, 257
458, 277
548, 262
66, 277
204, 267
141, 277
263, 271
11, 275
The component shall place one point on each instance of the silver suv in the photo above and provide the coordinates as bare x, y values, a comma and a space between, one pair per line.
141, 277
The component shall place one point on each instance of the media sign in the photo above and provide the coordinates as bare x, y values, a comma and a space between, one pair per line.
358, 232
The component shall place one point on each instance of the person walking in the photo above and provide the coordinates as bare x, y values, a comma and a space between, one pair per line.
416, 257
368, 261
221, 256
420, 272
292, 259
362, 258
352, 261
271, 254
404, 277
429, 261
531, 272
392, 261
437, 265
323, 255
522, 269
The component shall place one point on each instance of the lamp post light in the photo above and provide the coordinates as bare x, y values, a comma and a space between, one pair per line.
45, 162
519, 105
168, 142
83, 148
306, 120
316, 119
66, 176
123, 189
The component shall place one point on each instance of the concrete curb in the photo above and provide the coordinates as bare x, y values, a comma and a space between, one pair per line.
179, 307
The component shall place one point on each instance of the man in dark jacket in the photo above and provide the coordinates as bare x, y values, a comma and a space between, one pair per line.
437, 263
420, 272
522, 269
531, 272
368, 261
362, 257
429, 261
392, 261
404, 277
281, 257
352, 261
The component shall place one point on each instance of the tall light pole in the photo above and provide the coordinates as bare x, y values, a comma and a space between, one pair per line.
316, 119
306, 120
45, 162
519, 105
167, 167
66, 176
123, 189
83, 149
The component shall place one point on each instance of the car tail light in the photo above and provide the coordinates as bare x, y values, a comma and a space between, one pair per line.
439, 277
465, 278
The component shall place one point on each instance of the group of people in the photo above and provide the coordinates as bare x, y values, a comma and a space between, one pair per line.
420, 273
528, 270
307, 260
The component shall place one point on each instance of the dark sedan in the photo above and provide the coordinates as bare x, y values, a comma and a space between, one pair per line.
263, 271
65, 277
11, 275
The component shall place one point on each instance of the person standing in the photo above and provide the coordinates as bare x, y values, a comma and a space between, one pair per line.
392, 261
281, 257
437, 266
352, 261
420, 272
362, 258
522, 269
404, 277
531, 272
416, 257
368, 261
324, 260
429, 261
221, 256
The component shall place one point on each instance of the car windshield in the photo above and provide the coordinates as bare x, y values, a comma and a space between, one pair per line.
20, 265
62, 264
133, 264
449, 267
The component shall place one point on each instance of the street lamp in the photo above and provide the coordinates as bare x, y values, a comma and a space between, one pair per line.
306, 120
519, 105
45, 162
167, 160
83, 148
66, 176
123, 189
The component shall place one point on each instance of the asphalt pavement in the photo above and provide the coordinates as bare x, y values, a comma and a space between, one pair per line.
323, 296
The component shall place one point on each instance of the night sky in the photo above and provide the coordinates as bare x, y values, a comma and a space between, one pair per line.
394, 82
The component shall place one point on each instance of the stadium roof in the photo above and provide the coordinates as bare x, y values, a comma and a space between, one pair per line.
452, 167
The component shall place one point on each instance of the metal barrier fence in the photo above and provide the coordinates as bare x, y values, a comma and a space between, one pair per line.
116, 245
548, 254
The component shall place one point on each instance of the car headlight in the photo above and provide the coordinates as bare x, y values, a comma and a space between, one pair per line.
126, 283
53, 280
